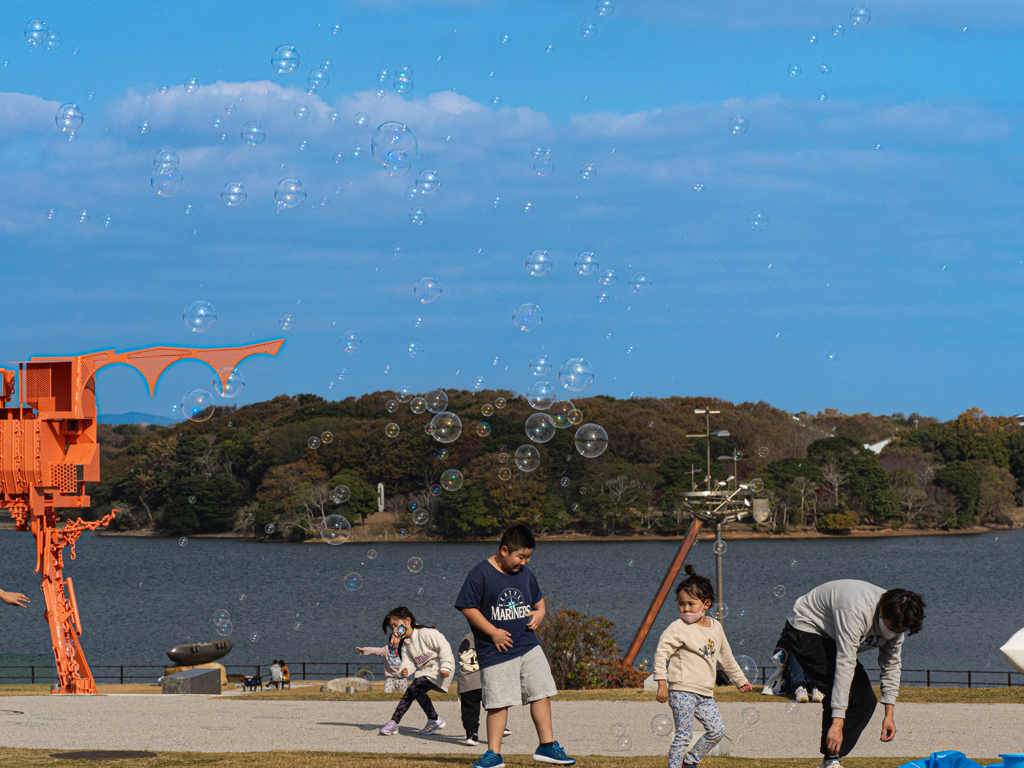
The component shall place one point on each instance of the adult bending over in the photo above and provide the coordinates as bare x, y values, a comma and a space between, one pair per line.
826, 630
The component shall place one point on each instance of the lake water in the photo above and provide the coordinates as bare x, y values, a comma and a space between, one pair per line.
140, 597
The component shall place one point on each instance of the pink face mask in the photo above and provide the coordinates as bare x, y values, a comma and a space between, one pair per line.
690, 618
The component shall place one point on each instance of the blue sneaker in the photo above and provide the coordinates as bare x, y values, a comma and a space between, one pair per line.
553, 754
489, 760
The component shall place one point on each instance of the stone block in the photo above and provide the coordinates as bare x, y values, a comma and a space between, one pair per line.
201, 681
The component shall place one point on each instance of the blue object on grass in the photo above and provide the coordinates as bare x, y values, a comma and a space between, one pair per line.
947, 759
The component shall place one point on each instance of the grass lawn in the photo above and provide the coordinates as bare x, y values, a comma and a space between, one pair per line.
34, 757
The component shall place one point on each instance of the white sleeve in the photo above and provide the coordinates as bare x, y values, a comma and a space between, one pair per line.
850, 628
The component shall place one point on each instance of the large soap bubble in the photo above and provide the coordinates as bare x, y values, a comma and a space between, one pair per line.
527, 317
301, 112
35, 32
562, 413
233, 194
738, 125
394, 146
351, 341
167, 180
435, 401
540, 427
748, 667
540, 365
447, 427
165, 157
335, 529
586, 263
427, 289
285, 59
235, 382
197, 405
289, 193
640, 283
451, 479
591, 441
199, 316
539, 263
318, 80
661, 725
540, 395
527, 458
859, 15
576, 374
69, 118
428, 182
253, 134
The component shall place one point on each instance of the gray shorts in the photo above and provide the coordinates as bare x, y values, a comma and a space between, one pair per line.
517, 681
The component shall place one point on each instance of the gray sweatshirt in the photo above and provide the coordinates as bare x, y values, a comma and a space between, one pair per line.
847, 611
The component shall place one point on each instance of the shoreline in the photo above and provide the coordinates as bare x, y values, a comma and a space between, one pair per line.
705, 535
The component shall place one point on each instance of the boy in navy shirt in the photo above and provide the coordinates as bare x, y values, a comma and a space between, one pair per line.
504, 605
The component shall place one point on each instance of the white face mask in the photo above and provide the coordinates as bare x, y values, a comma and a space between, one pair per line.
887, 633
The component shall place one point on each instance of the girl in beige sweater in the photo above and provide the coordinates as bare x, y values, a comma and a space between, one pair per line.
685, 667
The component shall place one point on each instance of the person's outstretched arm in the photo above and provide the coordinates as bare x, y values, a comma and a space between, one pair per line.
14, 598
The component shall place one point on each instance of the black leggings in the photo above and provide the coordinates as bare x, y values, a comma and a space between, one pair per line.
418, 689
816, 654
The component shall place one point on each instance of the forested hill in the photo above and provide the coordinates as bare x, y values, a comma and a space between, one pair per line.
248, 468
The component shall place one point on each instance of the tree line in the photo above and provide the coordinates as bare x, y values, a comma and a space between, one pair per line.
251, 467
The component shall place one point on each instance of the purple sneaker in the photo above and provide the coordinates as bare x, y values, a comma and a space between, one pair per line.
432, 726
390, 728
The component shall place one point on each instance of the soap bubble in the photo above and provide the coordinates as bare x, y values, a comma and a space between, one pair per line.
418, 405
199, 316
361, 120
384, 75
380, 93
720, 547
719, 611
661, 725
253, 134
738, 125
392, 430
698, 187
586, 263
313, 442
624, 743
353, 581
427, 290
318, 79
182, 542
326, 65
640, 283
233, 194
335, 529
144, 126
301, 112
289, 193
756, 485
350, 341
563, 412
795, 70
229, 108
643, 664
412, 349
197, 405
420, 517
527, 207
838, 30
540, 427
415, 565
417, 216
576, 374
503, 457
402, 86
540, 365
436, 401
618, 729
167, 180
451, 479
394, 146
269, 528
285, 59
527, 317
589, 29
792, 707
35, 32
527, 458
779, 590
793, 563
397, 252
235, 385
540, 395
287, 322
192, 85
859, 15
435, 490
495, 101
447, 427
748, 667
428, 182
216, 122
504, 473
327, 437
478, 382
336, 29
587, 171
825, 69
483, 429
371, 555
607, 277
499, 402
391, 406
750, 716
340, 494
544, 166
224, 629
812, 39
591, 441
333, 117
538, 263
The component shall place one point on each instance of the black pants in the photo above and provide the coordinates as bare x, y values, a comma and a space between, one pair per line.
469, 702
816, 654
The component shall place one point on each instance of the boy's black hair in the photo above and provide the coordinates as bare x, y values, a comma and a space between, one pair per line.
516, 537
401, 613
696, 585
903, 609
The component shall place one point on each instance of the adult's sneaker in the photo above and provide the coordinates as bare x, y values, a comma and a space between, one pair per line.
817, 696
472, 740
433, 726
489, 760
390, 728
553, 754
831, 762
507, 732
801, 694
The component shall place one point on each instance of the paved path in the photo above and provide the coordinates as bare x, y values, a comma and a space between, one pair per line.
211, 724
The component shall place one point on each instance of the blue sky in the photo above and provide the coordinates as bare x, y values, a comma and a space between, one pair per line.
894, 204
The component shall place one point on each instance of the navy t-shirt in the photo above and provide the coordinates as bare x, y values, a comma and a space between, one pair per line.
504, 599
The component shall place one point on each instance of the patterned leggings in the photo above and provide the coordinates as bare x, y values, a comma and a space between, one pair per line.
399, 684
418, 689
686, 706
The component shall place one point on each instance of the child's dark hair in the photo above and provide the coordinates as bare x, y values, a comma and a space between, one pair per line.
516, 537
903, 609
696, 586
401, 613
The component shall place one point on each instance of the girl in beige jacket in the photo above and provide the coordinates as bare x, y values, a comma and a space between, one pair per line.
685, 666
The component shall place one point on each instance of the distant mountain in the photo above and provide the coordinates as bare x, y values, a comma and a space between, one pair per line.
134, 417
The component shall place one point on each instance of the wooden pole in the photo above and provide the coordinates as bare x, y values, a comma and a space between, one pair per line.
663, 590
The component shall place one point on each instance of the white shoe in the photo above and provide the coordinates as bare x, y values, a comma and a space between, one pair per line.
801, 694
831, 762
818, 697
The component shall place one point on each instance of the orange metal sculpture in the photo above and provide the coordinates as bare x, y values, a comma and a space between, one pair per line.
48, 450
